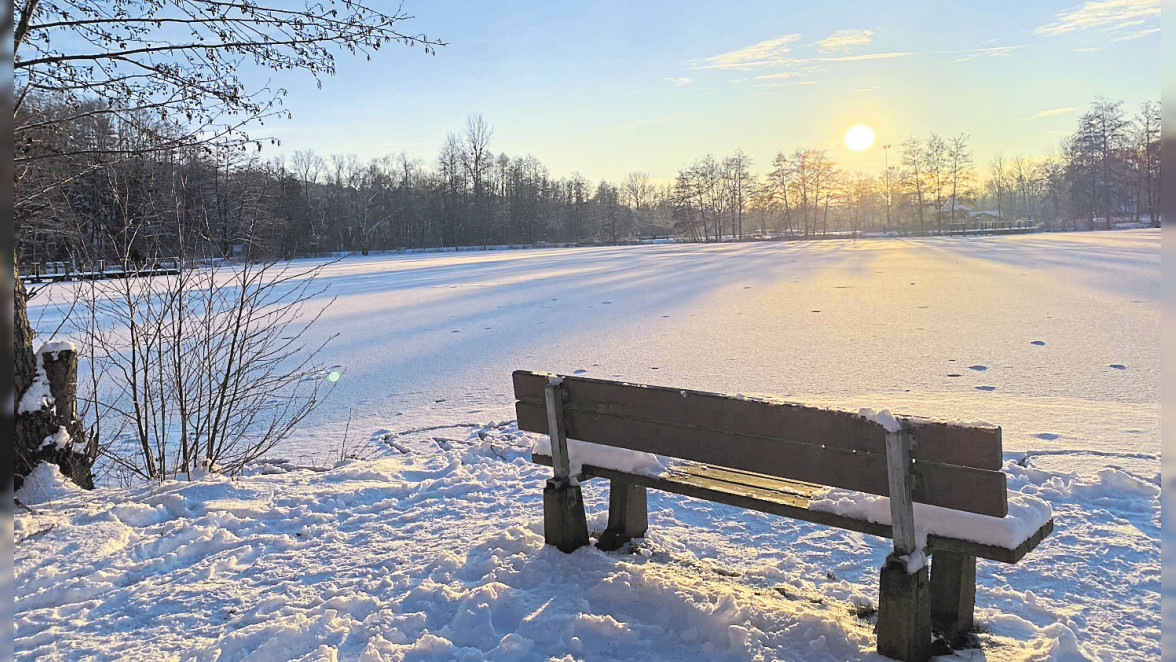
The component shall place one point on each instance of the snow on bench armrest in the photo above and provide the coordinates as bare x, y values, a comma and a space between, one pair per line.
1027, 514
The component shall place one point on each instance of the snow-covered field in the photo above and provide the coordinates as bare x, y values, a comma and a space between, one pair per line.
431, 548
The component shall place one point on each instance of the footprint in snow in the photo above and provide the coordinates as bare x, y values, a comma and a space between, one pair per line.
605, 302
978, 368
985, 388
1047, 436
456, 331
1118, 366
1037, 342
954, 374
579, 372
816, 311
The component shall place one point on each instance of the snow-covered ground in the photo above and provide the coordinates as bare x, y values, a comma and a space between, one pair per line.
431, 548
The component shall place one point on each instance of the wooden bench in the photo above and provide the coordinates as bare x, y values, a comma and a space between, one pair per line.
774, 457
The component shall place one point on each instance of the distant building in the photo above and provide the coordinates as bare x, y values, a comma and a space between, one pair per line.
984, 216
953, 205
956, 211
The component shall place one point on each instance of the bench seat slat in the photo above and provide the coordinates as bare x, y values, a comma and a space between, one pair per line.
795, 487
962, 488
975, 446
779, 497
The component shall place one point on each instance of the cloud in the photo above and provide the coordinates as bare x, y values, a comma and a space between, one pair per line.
1087, 49
1106, 14
765, 52
1047, 113
782, 74
972, 54
843, 40
679, 82
1136, 35
965, 54
863, 56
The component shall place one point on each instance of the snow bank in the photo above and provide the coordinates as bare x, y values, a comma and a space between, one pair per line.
45, 485
1026, 515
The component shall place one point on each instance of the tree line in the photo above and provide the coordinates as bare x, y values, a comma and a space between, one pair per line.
230, 201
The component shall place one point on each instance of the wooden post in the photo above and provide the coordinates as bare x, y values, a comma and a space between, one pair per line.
564, 523
904, 613
898, 473
628, 515
953, 594
555, 423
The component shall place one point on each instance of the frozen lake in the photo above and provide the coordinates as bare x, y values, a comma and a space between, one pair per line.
1055, 337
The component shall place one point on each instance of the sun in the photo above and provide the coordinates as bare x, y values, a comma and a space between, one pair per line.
859, 138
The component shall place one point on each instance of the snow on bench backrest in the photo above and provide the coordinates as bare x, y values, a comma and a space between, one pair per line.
954, 466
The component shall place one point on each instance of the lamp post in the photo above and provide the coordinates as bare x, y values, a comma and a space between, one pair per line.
886, 157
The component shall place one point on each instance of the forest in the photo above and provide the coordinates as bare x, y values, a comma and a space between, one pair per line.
111, 193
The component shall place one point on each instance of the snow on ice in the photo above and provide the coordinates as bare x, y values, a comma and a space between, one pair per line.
432, 548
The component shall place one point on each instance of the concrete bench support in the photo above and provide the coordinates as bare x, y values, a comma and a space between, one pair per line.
953, 594
904, 614
564, 523
628, 515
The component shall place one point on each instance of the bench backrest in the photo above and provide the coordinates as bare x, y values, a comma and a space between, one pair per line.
953, 466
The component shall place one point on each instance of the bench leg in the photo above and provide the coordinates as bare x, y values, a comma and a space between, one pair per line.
628, 515
564, 523
953, 594
904, 614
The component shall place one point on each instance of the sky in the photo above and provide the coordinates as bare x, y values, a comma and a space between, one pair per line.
608, 88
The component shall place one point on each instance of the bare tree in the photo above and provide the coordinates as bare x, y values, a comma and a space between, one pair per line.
1147, 159
959, 168
998, 180
737, 175
168, 69
936, 160
1022, 175
477, 160
914, 171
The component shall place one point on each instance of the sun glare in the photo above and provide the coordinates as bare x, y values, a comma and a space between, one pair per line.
859, 138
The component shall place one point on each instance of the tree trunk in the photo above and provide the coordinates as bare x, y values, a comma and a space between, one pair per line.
48, 431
